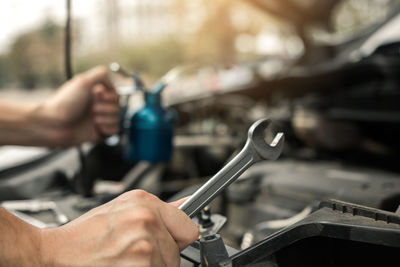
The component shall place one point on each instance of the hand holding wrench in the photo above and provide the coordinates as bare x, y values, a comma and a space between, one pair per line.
255, 150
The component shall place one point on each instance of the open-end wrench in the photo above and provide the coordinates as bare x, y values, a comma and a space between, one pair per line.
255, 150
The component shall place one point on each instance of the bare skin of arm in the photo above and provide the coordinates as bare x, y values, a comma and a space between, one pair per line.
135, 229
83, 109
19, 242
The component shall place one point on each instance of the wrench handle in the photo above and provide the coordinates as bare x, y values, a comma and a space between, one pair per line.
227, 175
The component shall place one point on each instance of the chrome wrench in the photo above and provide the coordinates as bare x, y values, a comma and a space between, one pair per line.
255, 150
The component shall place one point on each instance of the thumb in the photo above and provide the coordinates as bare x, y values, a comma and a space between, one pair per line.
179, 202
96, 75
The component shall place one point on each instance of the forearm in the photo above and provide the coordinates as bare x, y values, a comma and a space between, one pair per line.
82, 110
20, 243
25, 124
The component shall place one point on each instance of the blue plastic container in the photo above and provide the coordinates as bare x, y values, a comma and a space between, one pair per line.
151, 131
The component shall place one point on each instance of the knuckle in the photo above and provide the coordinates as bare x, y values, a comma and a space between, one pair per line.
101, 70
144, 247
143, 220
147, 217
116, 107
104, 108
115, 97
81, 79
139, 194
109, 108
99, 109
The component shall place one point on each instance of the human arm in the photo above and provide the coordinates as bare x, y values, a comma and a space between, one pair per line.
135, 229
20, 243
83, 109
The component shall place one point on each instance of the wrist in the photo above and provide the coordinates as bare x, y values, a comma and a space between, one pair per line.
47, 245
21, 242
33, 253
23, 124
51, 127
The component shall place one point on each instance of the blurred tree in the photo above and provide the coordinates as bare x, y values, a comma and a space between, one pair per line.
215, 39
36, 57
5, 73
153, 59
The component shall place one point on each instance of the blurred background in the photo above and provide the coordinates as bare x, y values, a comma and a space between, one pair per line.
327, 73
152, 36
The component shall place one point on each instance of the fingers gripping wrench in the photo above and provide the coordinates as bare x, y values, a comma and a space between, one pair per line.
255, 150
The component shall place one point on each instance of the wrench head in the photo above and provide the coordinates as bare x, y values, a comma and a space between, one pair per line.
256, 139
